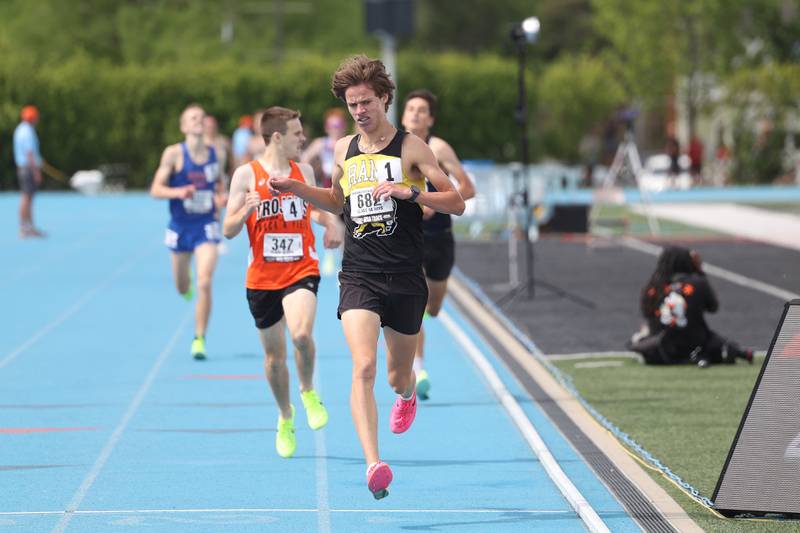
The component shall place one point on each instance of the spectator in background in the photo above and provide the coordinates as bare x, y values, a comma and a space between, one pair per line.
256, 145
213, 137
673, 304
241, 139
695, 153
673, 150
319, 153
221, 143
28, 160
722, 163
590, 149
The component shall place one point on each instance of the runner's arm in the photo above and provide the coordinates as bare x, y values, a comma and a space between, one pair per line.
160, 187
221, 187
332, 237
241, 202
332, 199
446, 199
448, 158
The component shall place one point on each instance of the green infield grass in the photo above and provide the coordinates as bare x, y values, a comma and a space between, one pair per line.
683, 415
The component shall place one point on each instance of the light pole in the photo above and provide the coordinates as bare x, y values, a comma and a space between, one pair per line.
390, 19
523, 34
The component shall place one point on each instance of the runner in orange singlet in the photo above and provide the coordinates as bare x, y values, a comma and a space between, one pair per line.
283, 273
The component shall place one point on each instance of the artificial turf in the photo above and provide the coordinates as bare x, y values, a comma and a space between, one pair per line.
684, 416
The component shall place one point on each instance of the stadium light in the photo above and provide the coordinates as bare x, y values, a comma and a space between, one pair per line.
527, 30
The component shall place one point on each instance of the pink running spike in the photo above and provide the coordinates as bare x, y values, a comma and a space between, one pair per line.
403, 413
379, 475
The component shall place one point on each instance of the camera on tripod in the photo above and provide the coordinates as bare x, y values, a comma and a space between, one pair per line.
627, 117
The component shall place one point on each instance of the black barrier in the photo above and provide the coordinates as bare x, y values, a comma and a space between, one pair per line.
762, 472
567, 218
395, 17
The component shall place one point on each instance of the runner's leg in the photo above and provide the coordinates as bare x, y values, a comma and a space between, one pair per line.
180, 270
361, 329
399, 360
300, 308
274, 342
436, 294
206, 260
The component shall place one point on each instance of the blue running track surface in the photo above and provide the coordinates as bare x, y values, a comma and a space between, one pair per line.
107, 423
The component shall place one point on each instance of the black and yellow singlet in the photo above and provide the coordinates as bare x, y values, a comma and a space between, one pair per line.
379, 236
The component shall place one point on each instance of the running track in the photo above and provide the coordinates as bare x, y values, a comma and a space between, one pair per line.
107, 424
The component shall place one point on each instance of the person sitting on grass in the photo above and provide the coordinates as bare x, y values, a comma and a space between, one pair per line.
673, 304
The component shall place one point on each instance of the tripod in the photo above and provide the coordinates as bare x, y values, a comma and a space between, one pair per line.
627, 151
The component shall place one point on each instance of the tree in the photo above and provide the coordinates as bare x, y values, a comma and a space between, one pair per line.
655, 44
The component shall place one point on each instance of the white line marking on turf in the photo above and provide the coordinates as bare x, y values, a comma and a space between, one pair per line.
67, 314
722, 273
598, 364
90, 478
591, 355
376, 510
576, 500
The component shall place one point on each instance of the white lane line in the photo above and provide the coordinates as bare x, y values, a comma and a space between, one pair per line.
323, 504
719, 272
278, 510
66, 315
90, 478
573, 496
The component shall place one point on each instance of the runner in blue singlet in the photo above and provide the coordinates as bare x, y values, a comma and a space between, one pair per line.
189, 177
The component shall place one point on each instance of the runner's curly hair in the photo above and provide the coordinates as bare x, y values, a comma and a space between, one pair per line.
361, 69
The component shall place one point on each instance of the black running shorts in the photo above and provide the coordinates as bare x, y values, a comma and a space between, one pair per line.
440, 255
399, 299
267, 306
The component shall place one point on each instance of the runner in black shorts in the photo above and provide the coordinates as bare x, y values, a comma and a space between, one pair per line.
267, 306
283, 273
379, 185
418, 117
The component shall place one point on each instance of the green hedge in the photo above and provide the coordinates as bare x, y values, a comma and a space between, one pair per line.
94, 114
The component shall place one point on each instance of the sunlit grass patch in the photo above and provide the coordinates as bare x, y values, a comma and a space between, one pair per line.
685, 416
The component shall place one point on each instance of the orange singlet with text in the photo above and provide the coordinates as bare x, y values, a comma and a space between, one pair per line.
281, 239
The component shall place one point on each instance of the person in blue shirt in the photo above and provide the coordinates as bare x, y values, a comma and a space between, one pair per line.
241, 140
28, 159
189, 176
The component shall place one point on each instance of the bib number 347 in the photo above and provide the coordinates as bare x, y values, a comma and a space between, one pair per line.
283, 247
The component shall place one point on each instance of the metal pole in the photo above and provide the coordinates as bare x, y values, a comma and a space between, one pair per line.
522, 119
388, 53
